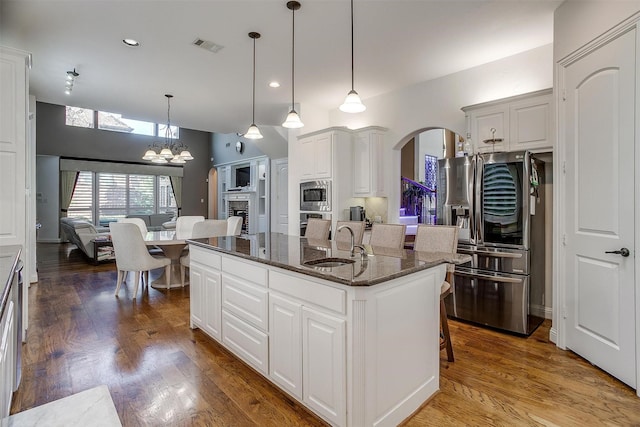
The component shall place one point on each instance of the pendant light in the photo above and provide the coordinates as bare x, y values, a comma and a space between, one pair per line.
293, 120
352, 103
170, 150
253, 132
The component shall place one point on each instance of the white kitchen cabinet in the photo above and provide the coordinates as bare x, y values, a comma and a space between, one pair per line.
205, 293
523, 122
316, 152
285, 350
246, 342
368, 163
324, 369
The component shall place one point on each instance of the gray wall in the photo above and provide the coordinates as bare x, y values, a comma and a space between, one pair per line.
54, 138
223, 146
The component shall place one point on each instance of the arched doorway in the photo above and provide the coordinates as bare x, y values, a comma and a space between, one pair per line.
419, 155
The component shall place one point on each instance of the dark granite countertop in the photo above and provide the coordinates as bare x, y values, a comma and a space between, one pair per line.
291, 252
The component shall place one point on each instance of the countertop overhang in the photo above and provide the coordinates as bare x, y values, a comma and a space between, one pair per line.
291, 252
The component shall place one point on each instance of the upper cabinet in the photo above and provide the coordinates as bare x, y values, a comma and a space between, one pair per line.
522, 122
368, 162
317, 152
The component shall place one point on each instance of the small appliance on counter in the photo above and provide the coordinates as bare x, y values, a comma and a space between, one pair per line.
357, 213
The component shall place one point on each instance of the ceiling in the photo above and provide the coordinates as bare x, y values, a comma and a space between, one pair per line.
397, 43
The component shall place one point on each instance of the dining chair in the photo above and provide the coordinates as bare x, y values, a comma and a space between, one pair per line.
440, 238
234, 225
138, 222
184, 225
388, 235
344, 236
132, 255
318, 229
203, 229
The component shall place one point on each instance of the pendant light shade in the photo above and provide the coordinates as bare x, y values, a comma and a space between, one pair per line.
293, 119
352, 103
253, 132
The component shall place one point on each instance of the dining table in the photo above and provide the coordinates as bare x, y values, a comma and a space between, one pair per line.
172, 246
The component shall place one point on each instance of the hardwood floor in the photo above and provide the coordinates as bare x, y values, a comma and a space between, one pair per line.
160, 372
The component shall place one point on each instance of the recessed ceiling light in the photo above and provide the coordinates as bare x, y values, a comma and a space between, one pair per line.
131, 42
274, 84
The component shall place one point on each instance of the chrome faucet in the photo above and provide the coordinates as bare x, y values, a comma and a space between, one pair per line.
363, 252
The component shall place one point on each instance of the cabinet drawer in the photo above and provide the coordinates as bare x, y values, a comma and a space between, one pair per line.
245, 270
204, 257
307, 290
247, 301
246, 342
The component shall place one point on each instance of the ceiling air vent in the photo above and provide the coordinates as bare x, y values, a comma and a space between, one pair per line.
206, 44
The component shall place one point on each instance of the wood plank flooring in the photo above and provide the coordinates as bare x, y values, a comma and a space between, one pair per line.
160, 372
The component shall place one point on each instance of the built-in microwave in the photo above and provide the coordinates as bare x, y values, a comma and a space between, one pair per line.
315, 196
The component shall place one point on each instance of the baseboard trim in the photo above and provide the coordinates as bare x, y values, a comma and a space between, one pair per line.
542, 311
58, 240
553, 336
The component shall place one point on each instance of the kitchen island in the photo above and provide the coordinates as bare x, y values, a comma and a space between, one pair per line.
354, 340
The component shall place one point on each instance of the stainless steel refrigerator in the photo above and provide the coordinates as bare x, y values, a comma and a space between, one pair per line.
496, 200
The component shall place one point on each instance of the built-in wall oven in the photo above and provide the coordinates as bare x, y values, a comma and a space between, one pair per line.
315, 196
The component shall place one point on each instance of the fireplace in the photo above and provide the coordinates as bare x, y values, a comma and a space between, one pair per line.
240, 208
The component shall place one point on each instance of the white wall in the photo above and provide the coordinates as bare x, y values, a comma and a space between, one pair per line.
575, 23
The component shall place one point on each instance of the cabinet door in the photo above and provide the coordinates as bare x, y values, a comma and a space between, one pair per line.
323, 155
530, 124
323, 362
196, 284
485, 119
361, 165
307, 158
285, 344
211, 304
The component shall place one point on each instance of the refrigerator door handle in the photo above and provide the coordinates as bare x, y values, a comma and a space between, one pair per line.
478, 167
490, 277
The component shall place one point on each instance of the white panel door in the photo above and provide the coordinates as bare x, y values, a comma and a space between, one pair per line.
600, 114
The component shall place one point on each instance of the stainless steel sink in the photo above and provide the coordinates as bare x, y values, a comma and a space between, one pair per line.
328, 262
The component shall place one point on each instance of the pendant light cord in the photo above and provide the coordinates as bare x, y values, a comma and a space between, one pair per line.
352, 84
253, 111
293, 44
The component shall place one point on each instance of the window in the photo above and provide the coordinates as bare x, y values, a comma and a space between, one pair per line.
82, 200
109, 196
80, 117
115, 122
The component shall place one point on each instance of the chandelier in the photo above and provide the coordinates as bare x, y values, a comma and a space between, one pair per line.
170, 151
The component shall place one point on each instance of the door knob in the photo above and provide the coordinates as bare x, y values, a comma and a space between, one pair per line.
623, 251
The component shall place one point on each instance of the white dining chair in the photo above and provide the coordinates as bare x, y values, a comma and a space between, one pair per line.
234, 226
132, 255
184, 225
440, 238
139, 222
203, 229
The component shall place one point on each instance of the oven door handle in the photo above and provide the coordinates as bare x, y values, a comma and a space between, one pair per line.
489, 277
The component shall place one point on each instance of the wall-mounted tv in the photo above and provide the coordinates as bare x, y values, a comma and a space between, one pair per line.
243, 176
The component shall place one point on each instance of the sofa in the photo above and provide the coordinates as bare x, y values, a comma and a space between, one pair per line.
81, 232
155, 222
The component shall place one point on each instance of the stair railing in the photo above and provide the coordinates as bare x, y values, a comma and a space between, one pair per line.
419, 200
